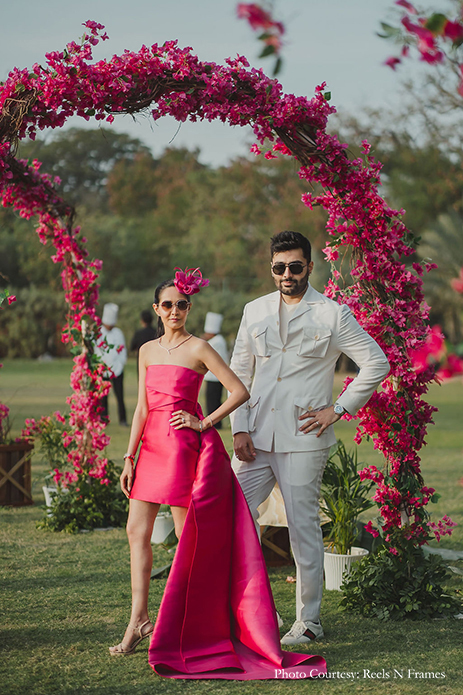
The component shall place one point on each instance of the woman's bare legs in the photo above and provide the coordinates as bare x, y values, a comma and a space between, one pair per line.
139, 530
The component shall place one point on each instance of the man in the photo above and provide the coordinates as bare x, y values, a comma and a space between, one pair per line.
286, 351
212, 326
111, 349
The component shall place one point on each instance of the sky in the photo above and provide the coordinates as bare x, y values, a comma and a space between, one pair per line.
326, 40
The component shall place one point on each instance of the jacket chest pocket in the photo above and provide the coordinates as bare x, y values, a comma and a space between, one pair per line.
315, 342
259, 345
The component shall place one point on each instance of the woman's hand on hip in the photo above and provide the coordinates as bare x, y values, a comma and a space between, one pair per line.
181, 419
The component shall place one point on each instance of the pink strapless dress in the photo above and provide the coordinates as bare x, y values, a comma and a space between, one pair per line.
217, 618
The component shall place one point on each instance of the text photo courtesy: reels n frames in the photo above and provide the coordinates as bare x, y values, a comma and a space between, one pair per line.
386, 292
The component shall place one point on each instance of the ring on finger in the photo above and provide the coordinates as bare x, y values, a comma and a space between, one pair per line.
183, 420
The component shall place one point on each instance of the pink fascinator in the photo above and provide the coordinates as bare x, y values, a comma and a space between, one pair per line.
189, 281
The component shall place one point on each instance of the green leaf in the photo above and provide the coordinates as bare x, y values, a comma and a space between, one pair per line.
327, 95
158, 572
455, 570
277, 67
268, 51
436, 23
389, 31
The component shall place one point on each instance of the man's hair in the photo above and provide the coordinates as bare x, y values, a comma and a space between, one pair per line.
287, 241
146, 316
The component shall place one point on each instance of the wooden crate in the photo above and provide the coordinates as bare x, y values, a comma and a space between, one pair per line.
275, 546
15, 474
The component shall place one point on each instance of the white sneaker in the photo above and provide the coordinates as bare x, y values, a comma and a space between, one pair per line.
303, 632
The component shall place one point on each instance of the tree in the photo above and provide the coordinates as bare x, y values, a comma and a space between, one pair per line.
82, 159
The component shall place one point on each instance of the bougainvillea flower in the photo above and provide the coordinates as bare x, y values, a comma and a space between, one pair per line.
424, 34
392, 62
457, 283
257, 17
407, 5
431, 352
11, 299
189, 281
430, 57
453, 367
453, 30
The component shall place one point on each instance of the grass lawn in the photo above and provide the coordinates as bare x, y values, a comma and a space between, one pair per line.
65, 599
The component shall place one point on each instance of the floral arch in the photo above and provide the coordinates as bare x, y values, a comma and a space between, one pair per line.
386, 294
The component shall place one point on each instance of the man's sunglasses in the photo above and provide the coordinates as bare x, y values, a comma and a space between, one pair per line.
182, 305
295, 268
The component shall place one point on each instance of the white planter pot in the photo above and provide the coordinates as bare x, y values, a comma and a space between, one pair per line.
49, 491
338, 565
163, 525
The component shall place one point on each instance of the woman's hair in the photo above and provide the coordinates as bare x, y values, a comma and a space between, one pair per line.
157, 294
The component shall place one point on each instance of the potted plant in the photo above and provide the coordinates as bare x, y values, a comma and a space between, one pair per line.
77, 500
344, 498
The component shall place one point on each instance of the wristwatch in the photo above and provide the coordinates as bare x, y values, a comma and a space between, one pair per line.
338, 409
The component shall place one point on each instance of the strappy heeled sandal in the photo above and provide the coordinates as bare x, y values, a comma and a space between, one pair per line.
121, 650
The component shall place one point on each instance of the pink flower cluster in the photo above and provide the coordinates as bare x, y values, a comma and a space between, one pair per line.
430, 34
457, 283
261, 20
443, 527
432, 357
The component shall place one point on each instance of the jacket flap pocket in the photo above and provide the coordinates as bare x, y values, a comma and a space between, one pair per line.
317, 333
301, 402
315, 341
259, 341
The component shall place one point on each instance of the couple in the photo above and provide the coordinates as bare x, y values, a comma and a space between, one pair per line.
217, 618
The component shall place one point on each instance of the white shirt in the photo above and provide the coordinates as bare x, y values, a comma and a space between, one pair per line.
219, 344
113, 358
286, 312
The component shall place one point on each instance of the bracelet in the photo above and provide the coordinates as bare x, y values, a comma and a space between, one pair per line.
129, 456
200, 426
210, 420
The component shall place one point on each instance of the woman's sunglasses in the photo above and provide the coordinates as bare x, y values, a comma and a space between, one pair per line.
295, 268
182, 305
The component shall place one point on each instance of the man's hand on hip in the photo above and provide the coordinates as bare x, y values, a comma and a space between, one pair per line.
243, 446
318, 420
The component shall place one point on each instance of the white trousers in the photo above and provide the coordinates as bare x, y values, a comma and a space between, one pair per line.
299, 475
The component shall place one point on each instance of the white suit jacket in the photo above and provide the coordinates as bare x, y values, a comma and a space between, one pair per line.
288, 380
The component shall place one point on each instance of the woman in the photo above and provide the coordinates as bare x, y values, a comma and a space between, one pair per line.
217, 618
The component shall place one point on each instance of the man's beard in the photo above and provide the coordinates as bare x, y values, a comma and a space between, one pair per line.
296, 288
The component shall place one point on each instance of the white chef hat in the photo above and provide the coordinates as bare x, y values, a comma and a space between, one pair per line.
110, 312
213, 322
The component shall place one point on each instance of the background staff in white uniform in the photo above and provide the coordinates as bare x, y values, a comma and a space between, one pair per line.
286, 351
214, 388
114, 357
